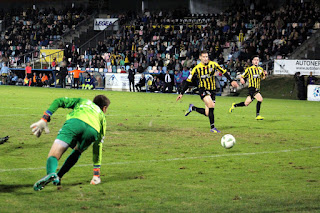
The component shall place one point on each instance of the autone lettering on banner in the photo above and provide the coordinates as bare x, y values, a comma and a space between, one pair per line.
290, 67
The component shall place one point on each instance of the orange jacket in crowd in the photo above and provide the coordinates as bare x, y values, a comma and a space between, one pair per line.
76, 73
44, 78
34, 79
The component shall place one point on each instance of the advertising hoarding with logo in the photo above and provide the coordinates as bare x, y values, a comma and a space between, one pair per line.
290, 67
313, 92
103, 23
120, 81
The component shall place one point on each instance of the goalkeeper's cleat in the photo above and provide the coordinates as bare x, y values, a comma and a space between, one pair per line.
40, 184
95, 180
232, 107
215, 130
57, 181
189, 110
259, 117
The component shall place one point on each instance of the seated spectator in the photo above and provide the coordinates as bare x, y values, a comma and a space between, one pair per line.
141, 83
157, 85
45, 80
35, 79
88, 82
14, 79
185, 74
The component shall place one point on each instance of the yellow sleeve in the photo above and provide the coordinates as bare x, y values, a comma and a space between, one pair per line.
262, 72
220, 69
245, 74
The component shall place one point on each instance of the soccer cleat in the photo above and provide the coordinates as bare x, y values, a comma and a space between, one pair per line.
259, 117
232, 107
189, 110
40, 184
215, 130
57, 181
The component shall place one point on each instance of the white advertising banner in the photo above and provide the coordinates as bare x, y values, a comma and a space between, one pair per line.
120, 81
103, 23
290, 67
313, 92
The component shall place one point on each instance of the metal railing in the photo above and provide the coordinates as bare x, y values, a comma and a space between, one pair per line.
101, 36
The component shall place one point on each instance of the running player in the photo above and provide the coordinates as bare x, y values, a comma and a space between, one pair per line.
85, 125
204, 72
254, 75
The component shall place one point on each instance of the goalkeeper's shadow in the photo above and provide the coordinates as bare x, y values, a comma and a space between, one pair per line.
10, 188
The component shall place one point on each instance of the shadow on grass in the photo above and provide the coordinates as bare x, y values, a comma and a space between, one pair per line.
9, 188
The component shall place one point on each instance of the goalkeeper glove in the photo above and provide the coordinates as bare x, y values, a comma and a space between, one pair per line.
96, 176
42, 124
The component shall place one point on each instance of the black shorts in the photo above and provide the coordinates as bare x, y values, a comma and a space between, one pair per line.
203, 93
252, 91
29, 75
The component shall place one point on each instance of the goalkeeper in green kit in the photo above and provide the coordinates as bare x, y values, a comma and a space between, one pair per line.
85, 125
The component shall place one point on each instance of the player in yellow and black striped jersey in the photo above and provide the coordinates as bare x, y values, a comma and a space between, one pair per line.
254, 74
204, 72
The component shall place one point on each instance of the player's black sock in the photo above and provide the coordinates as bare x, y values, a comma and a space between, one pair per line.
69, 163
199, 110
239, 104
258, 107
211, 117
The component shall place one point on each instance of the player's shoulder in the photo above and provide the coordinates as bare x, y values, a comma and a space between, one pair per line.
213, 63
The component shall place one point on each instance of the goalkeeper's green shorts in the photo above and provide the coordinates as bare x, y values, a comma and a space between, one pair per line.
76, 132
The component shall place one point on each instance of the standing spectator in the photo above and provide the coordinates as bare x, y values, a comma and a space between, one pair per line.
131, 73
300, 85
167, 82
311, 79
76, 77
4, 73
54, 63
141, 83
178, 80
28, 72
63, 74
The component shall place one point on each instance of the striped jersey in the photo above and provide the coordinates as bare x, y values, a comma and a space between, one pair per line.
205, 74
254, 75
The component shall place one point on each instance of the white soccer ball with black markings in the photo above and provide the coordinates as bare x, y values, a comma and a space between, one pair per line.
228, 141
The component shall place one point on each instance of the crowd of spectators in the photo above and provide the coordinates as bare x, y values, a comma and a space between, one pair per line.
170, 42
33, 29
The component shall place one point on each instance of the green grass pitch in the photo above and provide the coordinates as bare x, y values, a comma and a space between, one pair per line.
157, 160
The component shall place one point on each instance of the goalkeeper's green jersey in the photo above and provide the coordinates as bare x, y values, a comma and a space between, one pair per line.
83, 109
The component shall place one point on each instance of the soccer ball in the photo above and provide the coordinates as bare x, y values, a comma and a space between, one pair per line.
228, 141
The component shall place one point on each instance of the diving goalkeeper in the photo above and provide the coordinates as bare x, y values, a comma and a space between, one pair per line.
85, 125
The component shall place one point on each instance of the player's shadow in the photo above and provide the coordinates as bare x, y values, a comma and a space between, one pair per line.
10, 188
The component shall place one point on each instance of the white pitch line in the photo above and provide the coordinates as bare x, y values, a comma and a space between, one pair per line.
173, 159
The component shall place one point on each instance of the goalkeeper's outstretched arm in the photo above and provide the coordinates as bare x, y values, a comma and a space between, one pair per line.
42, 124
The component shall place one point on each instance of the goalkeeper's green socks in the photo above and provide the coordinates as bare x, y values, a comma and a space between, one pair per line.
69, 163
52, 164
